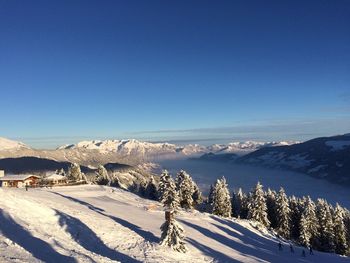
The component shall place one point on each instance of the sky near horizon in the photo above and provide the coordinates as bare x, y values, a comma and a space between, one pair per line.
182, 71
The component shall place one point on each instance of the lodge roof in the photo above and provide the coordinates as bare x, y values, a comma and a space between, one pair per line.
17, 177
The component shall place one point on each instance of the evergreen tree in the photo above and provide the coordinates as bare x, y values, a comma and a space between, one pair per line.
74, 172
238, 199
341, 246
172, 232
295, 215
170, 196
245, 205
326, 227
184, 185
102, 176
282, 214
210, 199
197, 195
308, 224
221, 199
257, 206
173, 236
271, 207
151, 190
163, 183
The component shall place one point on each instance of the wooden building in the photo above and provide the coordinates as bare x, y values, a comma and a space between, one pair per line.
20, 180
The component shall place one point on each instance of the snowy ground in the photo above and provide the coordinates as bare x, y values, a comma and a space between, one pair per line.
98, 224
246, 176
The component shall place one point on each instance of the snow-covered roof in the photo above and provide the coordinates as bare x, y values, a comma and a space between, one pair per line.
17, 177
55, 177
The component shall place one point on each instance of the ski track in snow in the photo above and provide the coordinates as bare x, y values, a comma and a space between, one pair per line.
102, 224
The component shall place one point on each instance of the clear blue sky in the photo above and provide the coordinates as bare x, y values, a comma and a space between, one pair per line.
173, 70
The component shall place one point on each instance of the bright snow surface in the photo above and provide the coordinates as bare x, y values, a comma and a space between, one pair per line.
98, 224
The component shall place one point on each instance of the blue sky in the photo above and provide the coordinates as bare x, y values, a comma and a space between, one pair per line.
190, 71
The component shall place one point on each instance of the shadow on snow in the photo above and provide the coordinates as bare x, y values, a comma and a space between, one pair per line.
258, 246
37, 247
84, 236
147, 235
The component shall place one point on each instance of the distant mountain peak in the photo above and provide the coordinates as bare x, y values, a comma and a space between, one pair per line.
6, 144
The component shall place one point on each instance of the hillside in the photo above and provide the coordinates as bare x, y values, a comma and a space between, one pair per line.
326, 157
101, 224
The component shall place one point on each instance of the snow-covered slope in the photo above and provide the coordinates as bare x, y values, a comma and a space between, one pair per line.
98, 224
6, 144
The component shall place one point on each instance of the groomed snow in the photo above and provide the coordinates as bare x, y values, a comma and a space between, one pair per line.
101, 224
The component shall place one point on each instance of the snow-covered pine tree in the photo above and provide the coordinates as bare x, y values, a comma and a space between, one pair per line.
170, 196
102, 177
341, 246
173, 236
172, 233
270, 196
308, 223
295, 215
185, 188
197, 195
221, 199
209, 201
151, 190
245, 205
74, 172
238, 199
257, 206
283, 214
163, 183
326, 227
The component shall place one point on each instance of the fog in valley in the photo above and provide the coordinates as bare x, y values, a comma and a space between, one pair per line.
206, 172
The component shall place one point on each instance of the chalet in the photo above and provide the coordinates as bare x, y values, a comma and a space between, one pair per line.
56, 179
20, 180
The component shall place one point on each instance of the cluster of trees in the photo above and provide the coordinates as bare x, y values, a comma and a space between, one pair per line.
314, 224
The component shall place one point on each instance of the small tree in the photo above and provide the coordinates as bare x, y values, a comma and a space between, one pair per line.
172, 233
282, 214
238, 199
197, 195
151, 190
257, 206
221, 199
102, 176
74, 172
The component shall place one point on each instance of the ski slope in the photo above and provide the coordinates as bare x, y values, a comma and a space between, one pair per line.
101, 224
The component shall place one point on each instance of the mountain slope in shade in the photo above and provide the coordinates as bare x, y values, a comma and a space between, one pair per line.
6, 144
101, 224
326, 157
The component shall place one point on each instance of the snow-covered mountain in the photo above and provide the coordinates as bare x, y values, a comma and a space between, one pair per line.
132, 146
129, 151
101, 224
6, 144
326, 157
